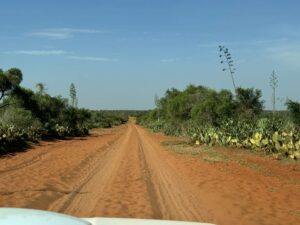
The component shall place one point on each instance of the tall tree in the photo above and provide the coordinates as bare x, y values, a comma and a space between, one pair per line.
9, 80
40, 88
73, 96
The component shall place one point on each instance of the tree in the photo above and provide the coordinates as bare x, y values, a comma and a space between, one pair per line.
294, 110
73, 96
40, 88
9, 80
214, 108
158, 106
226, 58
248, 102
273, 85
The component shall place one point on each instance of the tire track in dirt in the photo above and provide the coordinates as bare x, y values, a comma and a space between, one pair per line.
29, 162
65, 204
35, 158
42, 175
92, 184
150, 185
131, 180
177, 199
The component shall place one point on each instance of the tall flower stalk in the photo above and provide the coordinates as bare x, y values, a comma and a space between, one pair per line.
273, 85
227, 61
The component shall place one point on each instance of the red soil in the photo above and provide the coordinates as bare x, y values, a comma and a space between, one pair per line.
128, 173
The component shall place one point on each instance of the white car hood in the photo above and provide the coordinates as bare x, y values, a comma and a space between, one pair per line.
123, 221
17, 216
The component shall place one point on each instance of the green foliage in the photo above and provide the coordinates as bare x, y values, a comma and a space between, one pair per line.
9, 80
18, 117
40, 88
294, 110
18, 125
52, 112
14, 76
29, 116
212, 109
205, 106
220, 118
248, 103
259, 136
109, 118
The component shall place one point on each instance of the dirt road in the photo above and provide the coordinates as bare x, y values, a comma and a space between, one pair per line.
128, 173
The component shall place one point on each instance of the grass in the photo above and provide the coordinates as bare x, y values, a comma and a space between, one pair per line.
182, 147
296, 212
255, 167
213, 155
208, 154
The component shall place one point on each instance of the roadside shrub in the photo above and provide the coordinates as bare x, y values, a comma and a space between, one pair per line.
294, 110
11, 135
19, 117
19, 124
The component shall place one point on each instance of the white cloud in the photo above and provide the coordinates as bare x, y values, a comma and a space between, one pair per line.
37, 52
91, 58
72, 30
63, 33
51, 35
68, 55
169, 60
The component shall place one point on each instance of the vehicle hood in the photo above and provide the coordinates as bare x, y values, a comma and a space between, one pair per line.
20, 216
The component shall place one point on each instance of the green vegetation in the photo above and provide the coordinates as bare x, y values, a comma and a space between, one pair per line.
110, 118
9, 80
222, 118
26, 115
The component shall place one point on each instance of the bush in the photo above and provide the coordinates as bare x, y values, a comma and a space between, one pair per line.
19, 117
294, 110
107, 119
17, 126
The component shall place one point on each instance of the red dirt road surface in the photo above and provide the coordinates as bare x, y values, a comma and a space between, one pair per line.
126, 172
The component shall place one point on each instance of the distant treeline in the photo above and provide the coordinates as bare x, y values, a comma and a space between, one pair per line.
109, 118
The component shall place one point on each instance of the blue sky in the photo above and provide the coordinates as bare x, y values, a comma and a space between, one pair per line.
121, 53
